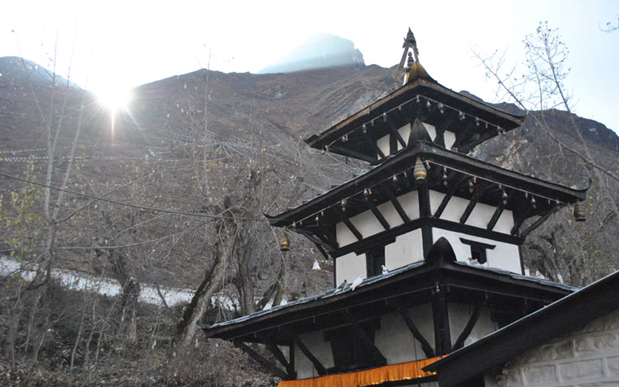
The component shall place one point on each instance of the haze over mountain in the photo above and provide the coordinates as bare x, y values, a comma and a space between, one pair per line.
320, 51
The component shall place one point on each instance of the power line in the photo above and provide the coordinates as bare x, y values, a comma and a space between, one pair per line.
98, 198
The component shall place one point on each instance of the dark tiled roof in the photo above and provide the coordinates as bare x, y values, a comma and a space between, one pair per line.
380, 278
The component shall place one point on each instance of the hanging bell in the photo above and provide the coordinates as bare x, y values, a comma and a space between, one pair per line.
445, 178
419, 171
284, 243
579, 212
505, 198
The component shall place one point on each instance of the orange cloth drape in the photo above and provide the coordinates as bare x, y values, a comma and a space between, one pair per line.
390, 373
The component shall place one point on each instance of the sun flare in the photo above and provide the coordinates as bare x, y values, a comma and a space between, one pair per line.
114, 98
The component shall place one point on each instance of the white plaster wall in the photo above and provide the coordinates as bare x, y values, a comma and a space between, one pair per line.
343, 235
504, 256
410, 204
319, 347
367, 224
406, 249
396, 342
405, 132
349, 267
459, 315
480, 217
383, 144
450, 139
431, 130
588, 357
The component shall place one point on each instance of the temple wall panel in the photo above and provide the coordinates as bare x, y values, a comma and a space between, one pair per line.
396, 342
406, 249
504, 256
321, 349
368, 224
480, 217
350, 267
450, 139
459, 315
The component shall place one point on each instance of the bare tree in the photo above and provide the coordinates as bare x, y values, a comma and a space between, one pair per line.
539, 92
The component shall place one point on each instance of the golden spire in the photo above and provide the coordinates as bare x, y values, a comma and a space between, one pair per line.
413, 69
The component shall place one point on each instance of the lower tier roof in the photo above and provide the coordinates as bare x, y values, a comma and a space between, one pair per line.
502, 291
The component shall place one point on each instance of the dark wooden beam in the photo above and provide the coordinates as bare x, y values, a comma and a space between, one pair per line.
322, 251
377, 213
330, 236
360, 246
352, 153
396, 204
424, 200
425, 345
440, 313
360, 332
453, 187
495, 216
375, 147
315, 239
539, 221
267, 365
291, 357
468, 328
274, 349
342, 215
317, 364
396, 134
479, 190
460, 136
523, 216
440, 132
317, 233
466, 148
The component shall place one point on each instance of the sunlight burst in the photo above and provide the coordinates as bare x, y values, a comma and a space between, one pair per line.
114, 98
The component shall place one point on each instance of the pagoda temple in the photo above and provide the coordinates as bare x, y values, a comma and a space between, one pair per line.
426, 244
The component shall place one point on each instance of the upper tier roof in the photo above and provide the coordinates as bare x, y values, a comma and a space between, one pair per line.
421, 98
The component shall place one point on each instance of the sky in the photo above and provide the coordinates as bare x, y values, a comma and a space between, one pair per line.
111, 46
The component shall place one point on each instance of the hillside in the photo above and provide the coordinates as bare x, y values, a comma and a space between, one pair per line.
176, 193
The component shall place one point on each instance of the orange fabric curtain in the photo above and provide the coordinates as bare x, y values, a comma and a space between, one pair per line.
390, 373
